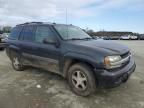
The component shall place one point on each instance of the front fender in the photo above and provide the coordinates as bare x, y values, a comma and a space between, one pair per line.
68, 57
79, 56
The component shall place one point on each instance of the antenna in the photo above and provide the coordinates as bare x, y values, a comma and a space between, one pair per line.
66, 16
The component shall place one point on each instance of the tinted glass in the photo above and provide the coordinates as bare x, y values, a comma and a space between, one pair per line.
27, 34
43, 32
71, 32
15, 33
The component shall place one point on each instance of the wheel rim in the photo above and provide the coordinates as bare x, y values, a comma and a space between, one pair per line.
16, 62
79, 80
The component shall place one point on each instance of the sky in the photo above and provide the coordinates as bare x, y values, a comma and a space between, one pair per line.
108, 15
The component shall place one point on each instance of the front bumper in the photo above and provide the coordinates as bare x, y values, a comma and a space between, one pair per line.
110, 79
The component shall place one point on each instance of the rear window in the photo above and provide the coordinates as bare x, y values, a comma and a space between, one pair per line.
15, 32
27, 33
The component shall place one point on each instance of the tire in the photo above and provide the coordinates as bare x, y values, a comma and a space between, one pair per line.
16, 62
86, 85
2, 49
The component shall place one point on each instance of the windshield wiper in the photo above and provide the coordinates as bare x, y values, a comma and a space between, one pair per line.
87, 38
75, 39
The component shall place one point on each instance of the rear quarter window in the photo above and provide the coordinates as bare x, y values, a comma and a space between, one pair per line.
15, 32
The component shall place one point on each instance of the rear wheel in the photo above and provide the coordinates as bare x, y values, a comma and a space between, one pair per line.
16, 63
1, 49
81, 79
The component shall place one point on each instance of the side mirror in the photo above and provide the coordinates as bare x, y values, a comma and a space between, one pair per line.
51, 41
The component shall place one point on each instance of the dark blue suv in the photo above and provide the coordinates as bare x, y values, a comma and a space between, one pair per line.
67, 50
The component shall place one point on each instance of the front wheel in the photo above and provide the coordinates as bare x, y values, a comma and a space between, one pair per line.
16, 63
81, 79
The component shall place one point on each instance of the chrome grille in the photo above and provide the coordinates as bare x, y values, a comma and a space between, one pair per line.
125, 59
125, 55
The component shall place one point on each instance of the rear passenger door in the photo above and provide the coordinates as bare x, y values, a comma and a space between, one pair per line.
12, 42
26, 43
47, 54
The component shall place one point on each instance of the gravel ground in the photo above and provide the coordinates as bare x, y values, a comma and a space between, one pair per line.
37, 88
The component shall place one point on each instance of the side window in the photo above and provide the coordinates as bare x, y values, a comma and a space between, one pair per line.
15, 33
43, 32
27, 34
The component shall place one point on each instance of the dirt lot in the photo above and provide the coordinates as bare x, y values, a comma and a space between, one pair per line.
19, 89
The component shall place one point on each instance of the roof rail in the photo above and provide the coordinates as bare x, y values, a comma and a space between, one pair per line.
27, 23
36, 22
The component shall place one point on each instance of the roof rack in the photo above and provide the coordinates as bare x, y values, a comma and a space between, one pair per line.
32, 23
36, 22
28, 23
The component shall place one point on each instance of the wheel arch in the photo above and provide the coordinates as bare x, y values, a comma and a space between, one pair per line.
69, 61
13, 50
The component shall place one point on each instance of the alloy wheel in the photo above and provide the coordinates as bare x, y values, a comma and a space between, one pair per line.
16, 62
79, 80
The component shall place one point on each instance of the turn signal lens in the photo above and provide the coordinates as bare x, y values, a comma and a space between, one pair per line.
107, 62
111, 60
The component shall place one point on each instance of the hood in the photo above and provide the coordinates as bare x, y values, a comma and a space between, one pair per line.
107, 45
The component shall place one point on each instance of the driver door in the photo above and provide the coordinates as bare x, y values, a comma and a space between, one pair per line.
47, 54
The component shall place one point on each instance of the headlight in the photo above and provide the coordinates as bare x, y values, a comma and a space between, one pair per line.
112, 61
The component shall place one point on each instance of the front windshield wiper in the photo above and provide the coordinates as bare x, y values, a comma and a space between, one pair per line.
75, 39
87, 38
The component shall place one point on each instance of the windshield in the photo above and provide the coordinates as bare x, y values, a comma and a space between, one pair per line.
69, 32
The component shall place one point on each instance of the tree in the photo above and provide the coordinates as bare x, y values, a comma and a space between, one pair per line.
1, 31
89, 31
6, 29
